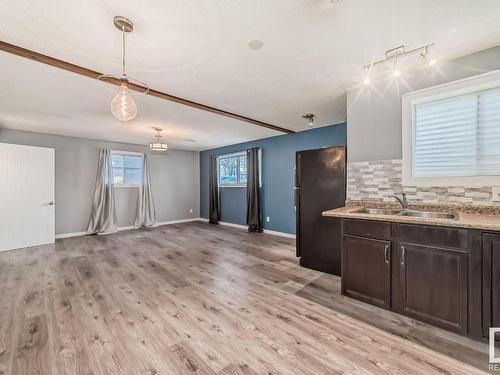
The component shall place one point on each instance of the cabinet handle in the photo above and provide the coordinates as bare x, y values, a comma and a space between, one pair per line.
386, 253
403, 255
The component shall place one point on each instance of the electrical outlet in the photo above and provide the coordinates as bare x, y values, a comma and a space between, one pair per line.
267, 219
495, 194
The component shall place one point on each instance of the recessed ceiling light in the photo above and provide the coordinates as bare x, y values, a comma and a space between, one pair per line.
255, 44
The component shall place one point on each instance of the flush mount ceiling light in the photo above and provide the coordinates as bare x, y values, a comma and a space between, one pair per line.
157, 144
309, 117
123, 106
394, 55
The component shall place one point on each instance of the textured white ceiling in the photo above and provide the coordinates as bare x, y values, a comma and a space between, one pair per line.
197, 49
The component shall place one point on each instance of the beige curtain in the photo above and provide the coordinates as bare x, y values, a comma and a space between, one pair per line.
146, 213
103, 214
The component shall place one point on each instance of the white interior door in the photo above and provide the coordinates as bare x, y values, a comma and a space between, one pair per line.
27, 206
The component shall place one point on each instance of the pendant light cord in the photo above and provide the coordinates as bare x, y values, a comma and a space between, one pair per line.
123, 50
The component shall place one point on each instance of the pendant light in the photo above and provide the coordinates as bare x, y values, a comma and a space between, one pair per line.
157, 144
123, 106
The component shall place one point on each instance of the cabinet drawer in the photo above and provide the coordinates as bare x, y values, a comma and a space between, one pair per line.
367, 228
435, 236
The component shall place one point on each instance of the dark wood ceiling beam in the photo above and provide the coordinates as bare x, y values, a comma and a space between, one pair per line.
32, 55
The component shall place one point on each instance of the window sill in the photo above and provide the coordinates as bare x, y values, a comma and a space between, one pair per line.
125, 186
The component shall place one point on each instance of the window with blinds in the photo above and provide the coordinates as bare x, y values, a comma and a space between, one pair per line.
127, 168
457, 136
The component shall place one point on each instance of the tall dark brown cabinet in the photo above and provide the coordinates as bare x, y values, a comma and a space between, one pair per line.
320, 185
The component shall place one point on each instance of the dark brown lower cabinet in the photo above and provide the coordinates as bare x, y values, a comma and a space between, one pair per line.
445, 276
434, 285
491, 282
366, 270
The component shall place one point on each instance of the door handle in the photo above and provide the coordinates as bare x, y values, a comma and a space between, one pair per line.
50, 203
386, 253
403, 255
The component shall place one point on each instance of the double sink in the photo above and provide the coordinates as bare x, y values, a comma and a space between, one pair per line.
406, 212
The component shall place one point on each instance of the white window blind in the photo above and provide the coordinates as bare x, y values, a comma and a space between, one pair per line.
127, 168
458, 136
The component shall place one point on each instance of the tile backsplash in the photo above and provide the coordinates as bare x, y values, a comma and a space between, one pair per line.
378, 180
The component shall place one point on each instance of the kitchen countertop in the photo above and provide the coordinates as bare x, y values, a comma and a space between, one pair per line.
463, 220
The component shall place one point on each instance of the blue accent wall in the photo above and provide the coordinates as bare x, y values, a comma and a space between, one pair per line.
278, 161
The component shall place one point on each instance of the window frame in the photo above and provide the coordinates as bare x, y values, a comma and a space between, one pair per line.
227, 156
470, 85
129, 153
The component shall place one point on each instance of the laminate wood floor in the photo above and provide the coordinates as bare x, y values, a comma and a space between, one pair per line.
192, 298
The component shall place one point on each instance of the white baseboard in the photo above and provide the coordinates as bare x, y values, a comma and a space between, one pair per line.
267, 231
239, 226
130, 227
233, 225
68, 235
77, 234
181, 221
282, 234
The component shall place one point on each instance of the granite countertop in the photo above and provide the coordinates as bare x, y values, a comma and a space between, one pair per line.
467, 219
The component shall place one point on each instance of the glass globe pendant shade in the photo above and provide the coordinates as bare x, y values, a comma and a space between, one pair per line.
123, 106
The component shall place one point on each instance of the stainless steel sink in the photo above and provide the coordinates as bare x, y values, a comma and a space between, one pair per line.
430, 215
409, 213
377, 211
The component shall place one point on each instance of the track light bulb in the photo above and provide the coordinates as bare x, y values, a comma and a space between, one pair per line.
396, 73
432, 62
367, 80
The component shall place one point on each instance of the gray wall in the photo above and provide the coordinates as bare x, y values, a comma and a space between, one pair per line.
374, 112
174, 180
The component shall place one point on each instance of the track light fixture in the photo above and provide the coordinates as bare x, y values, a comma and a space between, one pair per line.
395, 55
395, 71
427, 57
310, 118
367, 80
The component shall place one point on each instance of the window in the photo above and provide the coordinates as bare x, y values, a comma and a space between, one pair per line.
127, 168
451, 135
233, 169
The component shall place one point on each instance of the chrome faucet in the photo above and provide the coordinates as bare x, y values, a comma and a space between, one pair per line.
402, 201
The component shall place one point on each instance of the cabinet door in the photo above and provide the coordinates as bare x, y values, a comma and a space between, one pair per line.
491, 282
434, 285
366, 270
